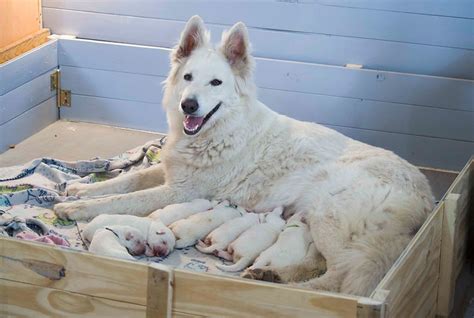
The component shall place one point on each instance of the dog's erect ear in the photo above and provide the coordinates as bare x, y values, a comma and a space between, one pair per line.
235, 46
193, 36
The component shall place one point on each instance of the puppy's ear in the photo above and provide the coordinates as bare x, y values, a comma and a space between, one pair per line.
235, 46
193, 36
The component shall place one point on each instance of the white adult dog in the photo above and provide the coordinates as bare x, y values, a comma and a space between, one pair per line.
363, 203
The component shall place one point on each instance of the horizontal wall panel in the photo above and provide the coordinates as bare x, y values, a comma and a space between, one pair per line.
28, 66
28, 123
25, 97
303, 17
286, 75
315, 48
374, 115
421, 151
116, 112
450, 8
118, 85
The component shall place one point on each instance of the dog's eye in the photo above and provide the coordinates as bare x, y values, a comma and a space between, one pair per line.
188, 77
216, 82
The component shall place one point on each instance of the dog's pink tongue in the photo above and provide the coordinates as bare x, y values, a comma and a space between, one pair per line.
192, 123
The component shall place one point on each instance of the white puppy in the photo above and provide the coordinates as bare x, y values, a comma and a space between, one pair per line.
190, 230
118, 241
160, 239
290, 247
246, 248
221, 237
179, 211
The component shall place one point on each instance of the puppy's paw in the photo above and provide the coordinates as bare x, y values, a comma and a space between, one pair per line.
71, 210
264, 274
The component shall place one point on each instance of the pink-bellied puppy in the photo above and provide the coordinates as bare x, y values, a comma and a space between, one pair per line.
220, 238
246, 248
179, 211
194, 228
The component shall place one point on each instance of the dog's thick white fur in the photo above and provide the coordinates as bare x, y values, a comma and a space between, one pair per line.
363, 203
197, 226
160, 240
248, 246
118, 241
220, 238
179, 211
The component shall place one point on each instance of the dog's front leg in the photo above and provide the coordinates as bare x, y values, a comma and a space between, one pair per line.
133, 181
140, 203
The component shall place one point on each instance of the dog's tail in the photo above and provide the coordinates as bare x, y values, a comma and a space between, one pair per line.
240, 265
367, 261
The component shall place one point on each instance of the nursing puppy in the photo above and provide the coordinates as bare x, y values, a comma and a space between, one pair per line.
160, 240
363, 203
246, 248
194, 228
220, 238
118, 241
179, 211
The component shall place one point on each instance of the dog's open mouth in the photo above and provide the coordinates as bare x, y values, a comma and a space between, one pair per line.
193, 124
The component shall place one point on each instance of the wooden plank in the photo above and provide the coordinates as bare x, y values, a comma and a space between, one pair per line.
159, 291
218, 296
286, 75
25, 97
116, 112
26, 300
304, 17
118, 85
18, 19
448, 8
74, 271
28, 66
410, 280
374, 115
23, 45
28, 123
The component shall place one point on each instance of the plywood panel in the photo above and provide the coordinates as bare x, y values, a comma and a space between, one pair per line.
306, 47
25, 300
18, 19
25, 97
217, 296
23, 45
28, 123
28, 66
304, 17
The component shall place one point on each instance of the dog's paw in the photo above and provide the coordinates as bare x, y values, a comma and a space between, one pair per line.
71, 211
264, 274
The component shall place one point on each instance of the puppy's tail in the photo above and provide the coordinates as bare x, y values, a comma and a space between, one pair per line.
367, 261
240, 265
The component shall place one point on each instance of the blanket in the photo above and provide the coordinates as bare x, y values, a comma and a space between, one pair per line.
28, 192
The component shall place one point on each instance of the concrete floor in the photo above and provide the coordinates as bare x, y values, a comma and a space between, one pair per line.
75, 141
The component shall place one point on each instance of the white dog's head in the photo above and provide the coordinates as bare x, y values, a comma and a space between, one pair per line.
160, 240
129, 237
206, 86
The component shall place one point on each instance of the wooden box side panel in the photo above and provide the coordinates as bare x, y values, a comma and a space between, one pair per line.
25, 300
454, 243
215, 296
412, 283
18, 19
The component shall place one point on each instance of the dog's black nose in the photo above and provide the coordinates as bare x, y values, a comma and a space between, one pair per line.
189, 106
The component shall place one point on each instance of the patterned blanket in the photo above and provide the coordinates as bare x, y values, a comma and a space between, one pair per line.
28, 193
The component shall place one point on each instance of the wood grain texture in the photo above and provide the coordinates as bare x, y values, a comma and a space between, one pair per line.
305, 47
292, 16
218, 296
85, 273
25, 97
23, 45
18, 19
25, 300
28, 123
413, 279
28, 66
159, 291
